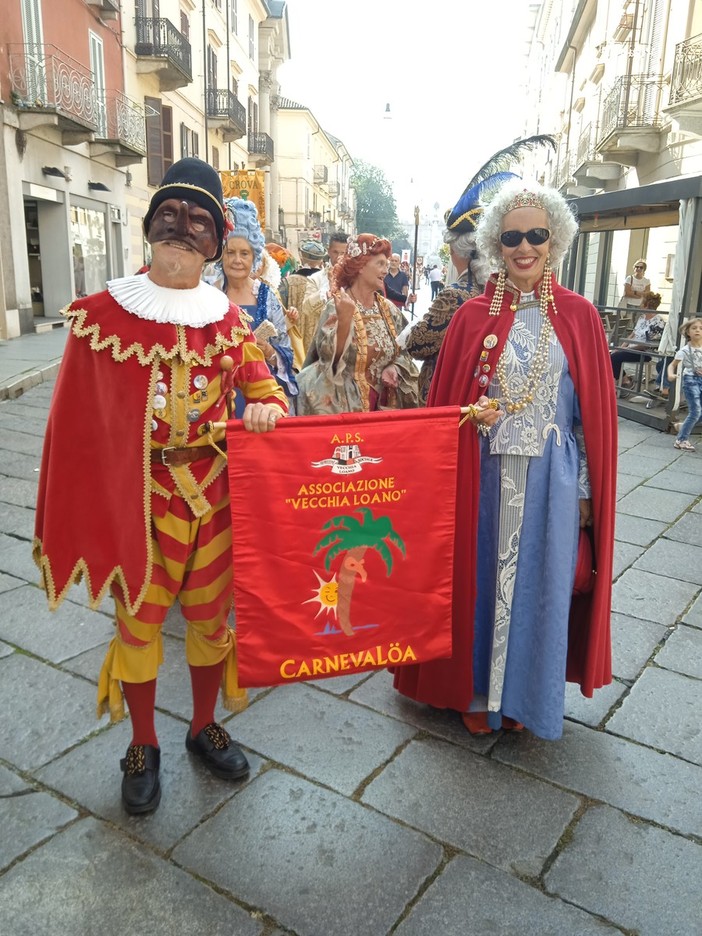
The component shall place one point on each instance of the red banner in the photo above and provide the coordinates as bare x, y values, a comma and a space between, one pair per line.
343, 532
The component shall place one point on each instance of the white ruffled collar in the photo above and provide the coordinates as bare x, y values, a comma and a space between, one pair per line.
196, 307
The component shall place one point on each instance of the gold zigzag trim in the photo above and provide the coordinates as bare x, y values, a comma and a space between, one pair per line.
180, 349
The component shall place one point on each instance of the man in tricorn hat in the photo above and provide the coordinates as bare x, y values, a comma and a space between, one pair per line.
133, 494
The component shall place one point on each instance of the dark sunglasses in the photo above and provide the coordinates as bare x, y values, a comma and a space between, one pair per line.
534, 237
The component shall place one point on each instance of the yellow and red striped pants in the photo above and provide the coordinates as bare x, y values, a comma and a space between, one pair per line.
192, 562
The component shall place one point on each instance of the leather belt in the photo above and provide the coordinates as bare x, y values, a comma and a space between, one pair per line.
173, 456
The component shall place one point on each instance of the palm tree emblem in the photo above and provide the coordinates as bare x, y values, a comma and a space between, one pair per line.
353, 537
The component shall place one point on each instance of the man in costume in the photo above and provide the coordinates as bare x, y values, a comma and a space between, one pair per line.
133, 495
318, 288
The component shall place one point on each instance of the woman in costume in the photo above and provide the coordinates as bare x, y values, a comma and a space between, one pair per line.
358, 366
424, 339
233, 274
649, 328
537, 462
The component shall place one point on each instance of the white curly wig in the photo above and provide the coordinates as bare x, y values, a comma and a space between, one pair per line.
561, 221
465, 246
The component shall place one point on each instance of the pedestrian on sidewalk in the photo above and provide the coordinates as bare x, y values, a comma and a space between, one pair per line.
436, 278
688, 361
133, 494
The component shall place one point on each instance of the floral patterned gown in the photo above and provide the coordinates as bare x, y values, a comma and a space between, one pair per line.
533, 472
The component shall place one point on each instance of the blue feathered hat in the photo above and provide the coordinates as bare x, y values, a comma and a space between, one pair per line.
464, 216
244, 217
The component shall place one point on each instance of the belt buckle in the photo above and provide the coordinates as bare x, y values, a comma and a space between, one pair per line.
164, 451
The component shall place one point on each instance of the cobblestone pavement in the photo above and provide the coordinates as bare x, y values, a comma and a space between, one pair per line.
364, 813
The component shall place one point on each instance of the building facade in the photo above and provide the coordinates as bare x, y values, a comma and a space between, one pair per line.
99, 99
314, 175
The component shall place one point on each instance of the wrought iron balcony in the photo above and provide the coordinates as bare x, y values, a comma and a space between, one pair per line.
261, 149
685, 103
320, 175
162, 49
121, 129
227, 113
49, 88
631, 117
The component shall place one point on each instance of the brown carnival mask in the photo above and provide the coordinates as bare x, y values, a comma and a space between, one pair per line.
185, 225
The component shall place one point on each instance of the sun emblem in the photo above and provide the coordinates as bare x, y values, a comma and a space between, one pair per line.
326, 595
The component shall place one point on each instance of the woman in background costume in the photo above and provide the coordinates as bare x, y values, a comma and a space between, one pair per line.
359, 366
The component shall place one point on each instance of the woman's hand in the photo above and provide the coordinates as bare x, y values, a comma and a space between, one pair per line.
390, 377
261, 417
485, 412
344, 305
266, 349
292, 314
585, 506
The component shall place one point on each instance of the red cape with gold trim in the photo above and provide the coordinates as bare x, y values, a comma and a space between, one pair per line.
449, 683
93, 516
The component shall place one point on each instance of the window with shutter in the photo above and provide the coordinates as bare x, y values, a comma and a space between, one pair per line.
215, 158
154, 145
167, 125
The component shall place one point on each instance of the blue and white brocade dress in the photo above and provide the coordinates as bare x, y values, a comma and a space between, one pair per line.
533, 471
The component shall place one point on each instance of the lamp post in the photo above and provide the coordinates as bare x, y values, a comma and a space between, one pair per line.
414, 255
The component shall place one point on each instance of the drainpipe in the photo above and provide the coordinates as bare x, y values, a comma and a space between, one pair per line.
204, 77
570, 106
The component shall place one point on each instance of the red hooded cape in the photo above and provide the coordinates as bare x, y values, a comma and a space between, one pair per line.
93, 517
449, 683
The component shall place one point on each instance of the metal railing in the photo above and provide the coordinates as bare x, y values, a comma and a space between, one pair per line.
586, 146
224, 104
123, 120
45, 78
261, 144
686, 79
633, 102
159, 37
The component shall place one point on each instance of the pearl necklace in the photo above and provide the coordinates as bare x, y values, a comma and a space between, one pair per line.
539, 365
365, 310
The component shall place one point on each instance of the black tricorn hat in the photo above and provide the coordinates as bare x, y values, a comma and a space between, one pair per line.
195, 181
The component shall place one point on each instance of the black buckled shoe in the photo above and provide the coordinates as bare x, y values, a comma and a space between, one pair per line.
218, 752
141, 789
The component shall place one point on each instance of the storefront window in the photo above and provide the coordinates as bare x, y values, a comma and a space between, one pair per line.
89, 250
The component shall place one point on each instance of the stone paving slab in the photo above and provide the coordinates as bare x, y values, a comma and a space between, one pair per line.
625, 554
20, 442
633, 644
17, 560
682, 652
51, 711
55, 636
618, 772
378, 693
27, 818
665, 506
673, 479
319, 735
693, 617
501, 816
23, 410
663, 711
673, 559
643, 461
90, 776
649, 597
637, 530
18, 465
19, 521
472, 899
17, 491
340, 685
11, 783
638, 876
90, 879
9, 583
627, 483
592, 711
313, 860
689, 462
6, 650
688, 529
35, 427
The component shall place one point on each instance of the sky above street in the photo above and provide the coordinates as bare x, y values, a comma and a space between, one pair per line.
452, 79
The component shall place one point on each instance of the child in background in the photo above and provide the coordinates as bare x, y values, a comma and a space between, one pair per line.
689, 361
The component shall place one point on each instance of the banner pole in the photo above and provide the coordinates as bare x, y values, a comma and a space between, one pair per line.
464, 410
414, 258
